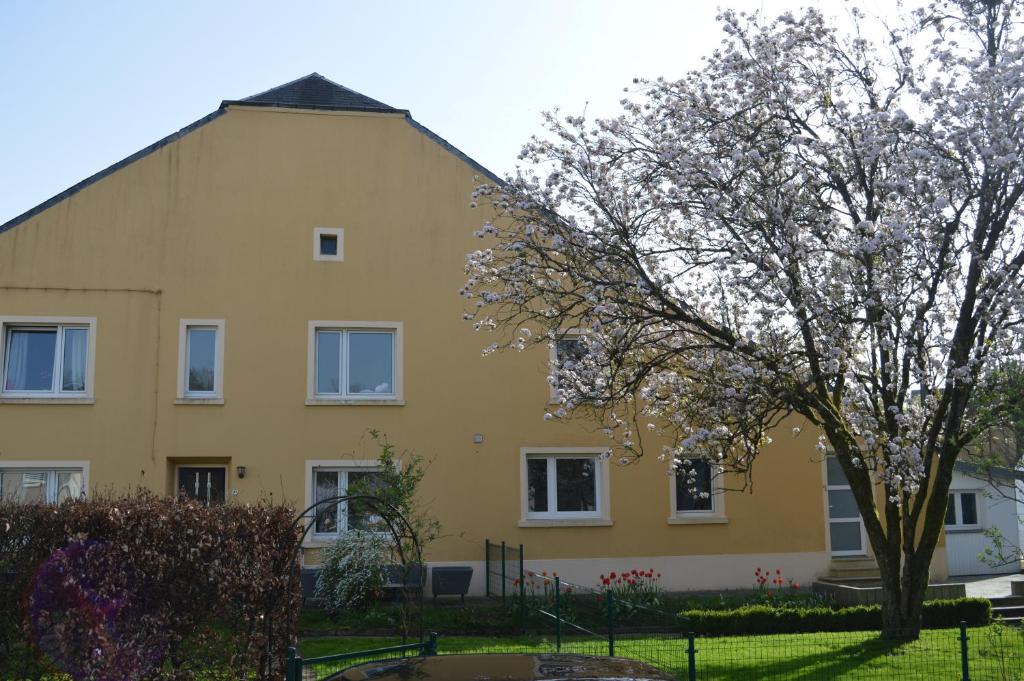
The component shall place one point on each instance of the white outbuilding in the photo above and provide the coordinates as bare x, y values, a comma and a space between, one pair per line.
980, 501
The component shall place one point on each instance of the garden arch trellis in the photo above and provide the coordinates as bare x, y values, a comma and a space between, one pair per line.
405, 542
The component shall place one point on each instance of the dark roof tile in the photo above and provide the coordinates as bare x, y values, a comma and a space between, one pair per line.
315, 92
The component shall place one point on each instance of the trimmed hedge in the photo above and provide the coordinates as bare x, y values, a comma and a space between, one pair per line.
764, 619
147, 588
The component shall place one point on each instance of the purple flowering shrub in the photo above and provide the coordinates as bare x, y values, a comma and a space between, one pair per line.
146, 587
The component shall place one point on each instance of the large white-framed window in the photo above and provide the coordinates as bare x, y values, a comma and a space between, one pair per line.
696, 494
331, 478
564, 485
201, 361
43, 482
354, 363
47, 358
963, 512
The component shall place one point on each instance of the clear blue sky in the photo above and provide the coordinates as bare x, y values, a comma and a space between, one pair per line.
85, 84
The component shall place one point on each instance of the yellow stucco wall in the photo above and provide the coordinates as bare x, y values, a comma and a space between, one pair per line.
219, 225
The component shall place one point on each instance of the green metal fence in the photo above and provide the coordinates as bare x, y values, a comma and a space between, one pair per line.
556, 616
572, 618
993, 653
327, 666
503, 569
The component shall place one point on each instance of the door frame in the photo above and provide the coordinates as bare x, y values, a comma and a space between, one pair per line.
826, 487
179, 466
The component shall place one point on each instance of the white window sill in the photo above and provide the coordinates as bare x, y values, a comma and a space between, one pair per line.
697, 520
565, 522
200, 400
963, 529
319, 542
46, 400
351, 401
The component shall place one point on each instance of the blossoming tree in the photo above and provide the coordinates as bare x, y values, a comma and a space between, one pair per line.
814, 223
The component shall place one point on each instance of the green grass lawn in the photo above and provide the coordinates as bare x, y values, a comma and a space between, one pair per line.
995, 653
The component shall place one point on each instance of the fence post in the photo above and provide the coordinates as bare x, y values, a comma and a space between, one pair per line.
293, 667
431, 647
611, 622
487, 568
558, 616
963, 652
502, 573
522, 586
691, 658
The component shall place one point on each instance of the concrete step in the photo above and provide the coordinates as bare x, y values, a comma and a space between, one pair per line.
853, 562
862, 581
1008, 611
853, 568
1006, 601
854, 573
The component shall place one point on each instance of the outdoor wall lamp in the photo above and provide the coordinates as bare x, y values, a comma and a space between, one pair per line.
241, 471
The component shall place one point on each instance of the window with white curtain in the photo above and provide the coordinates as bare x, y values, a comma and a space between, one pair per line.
41, 486
46, 360
357, 362
335, 519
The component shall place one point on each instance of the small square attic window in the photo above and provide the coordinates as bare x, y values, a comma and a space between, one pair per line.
328, 243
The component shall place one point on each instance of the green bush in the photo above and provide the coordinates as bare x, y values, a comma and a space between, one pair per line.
763, 619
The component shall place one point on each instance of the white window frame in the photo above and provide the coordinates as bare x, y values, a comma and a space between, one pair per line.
865, 549
553, 361
185, 396
555, 518
339, 234
716, 514
346, 466
958, 525
51, 468
56, 395
313, 398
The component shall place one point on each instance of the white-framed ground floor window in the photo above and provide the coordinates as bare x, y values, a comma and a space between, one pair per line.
43, 482
696, 493
327, 479
564, 485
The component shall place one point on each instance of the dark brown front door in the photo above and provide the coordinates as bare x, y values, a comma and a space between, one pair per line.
205, 483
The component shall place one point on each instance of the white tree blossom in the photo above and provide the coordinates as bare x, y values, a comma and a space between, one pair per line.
813, 223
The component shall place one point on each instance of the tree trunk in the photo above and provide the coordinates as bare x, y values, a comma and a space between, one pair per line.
904, 583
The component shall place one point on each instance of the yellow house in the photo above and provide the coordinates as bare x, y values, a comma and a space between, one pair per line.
229, 311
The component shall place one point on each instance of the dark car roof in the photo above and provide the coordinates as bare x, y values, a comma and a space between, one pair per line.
505, 667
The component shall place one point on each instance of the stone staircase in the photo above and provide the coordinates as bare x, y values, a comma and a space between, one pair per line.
853, 570
1010, 609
